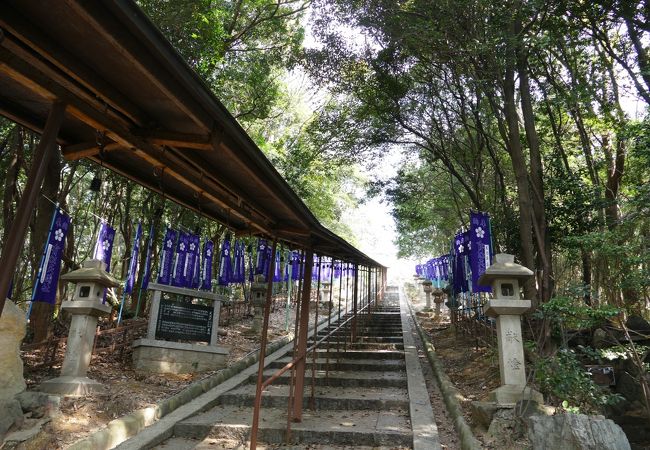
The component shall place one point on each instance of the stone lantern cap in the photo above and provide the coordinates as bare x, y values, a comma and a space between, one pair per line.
504, 266
92, 270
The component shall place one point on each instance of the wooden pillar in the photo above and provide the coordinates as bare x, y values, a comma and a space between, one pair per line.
369, 281
265, 330
302, 338
15, 237
355, 299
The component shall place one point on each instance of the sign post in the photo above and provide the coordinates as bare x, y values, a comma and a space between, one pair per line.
182, 335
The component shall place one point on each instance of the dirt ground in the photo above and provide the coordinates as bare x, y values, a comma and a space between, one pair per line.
128, 390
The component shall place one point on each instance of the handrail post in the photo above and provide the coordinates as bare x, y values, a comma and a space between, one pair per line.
265, 329
355, 298
302, 338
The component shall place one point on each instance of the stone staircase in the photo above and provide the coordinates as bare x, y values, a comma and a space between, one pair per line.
361, 398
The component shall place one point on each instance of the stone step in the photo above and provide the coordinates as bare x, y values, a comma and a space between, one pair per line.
325, 397
371, 339
361, 345
358, 353
232, 444
358, 428
345, 378
361, 328
379, 365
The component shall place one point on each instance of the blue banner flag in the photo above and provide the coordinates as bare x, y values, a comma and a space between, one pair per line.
260, 262
133, 264
480, 256
225, 264
277, 272
179, 272
206, 272
251, 268
190, 271
239, 275
167, 257
48, 275
459, 279
147, 263
104, 245
295, 265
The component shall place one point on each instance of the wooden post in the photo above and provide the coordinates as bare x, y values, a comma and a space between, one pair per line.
355, 299
15, 237
302, 338
265, 329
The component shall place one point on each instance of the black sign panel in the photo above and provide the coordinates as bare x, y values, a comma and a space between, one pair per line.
184, 321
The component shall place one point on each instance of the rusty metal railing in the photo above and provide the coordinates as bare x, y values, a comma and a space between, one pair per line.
358, 311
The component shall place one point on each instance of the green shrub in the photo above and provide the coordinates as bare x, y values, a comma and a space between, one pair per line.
563, 377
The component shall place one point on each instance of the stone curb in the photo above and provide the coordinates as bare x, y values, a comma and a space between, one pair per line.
449, 392
119, 430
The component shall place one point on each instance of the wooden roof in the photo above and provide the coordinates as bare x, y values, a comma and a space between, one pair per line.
135, 105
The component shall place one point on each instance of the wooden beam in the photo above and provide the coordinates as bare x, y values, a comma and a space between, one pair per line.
141, 58
87, 79
174, 139
39, 83
87, 149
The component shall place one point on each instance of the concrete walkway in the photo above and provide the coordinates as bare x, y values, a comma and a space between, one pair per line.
371, 394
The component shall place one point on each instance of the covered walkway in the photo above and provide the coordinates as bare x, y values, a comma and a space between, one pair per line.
99, 81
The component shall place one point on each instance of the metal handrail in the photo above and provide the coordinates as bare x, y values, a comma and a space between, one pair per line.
289, 365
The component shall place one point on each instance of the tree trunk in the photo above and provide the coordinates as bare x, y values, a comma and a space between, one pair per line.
521, 176
536, 175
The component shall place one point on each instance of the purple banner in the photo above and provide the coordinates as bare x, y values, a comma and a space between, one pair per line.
480, 256
251, 269
192, 262
147, 263
460, 280
295, 265
277, 270
206, 273
225, 264
260, 263
167, 257
133, 264
48, 276
104, 244
239, 272
179, 272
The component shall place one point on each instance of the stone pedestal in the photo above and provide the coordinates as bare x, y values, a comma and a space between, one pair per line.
12, 332
182, 321
438, 299
427, 287
325, 292
152, 355
258, 299
73, 380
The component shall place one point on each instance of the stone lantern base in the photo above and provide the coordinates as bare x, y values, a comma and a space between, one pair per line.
510, 394
73, 381
71, 386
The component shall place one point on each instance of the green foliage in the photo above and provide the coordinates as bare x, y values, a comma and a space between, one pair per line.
566, 379
239, 48
572, 313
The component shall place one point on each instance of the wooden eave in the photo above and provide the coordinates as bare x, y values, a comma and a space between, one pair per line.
134, 105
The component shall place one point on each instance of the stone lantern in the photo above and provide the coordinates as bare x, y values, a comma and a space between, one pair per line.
504, 276
438, 299
85, 307
427, 287
325, 292
258, 299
